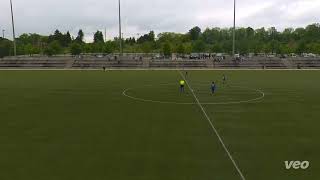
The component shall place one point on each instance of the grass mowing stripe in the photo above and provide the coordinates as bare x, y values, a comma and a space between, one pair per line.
213, 127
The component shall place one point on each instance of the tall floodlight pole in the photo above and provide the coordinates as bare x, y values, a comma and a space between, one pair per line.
234, 29
120, 33
13, 31
105, 34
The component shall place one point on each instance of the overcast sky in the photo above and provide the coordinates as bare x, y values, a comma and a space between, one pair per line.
141, 16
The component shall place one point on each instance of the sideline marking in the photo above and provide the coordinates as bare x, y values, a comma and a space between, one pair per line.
124, 93
214, 129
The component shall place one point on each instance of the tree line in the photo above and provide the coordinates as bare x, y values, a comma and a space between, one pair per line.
211, 40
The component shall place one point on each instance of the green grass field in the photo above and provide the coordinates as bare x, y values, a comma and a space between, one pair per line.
65, 125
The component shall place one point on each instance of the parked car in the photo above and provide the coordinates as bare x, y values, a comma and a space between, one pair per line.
194, 56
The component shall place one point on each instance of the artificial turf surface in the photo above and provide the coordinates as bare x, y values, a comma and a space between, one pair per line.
64, 125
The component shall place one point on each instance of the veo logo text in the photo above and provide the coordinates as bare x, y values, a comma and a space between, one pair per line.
297, 164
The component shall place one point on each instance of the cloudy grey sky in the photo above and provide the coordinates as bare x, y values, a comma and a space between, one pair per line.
141, 16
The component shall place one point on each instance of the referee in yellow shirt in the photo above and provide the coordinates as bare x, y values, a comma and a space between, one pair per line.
182, 83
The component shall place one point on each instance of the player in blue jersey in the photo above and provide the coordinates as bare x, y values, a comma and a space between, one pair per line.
213, 87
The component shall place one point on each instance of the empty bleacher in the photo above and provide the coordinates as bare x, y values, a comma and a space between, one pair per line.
31, 63
96, 64
170, 64
136, 62
305, 63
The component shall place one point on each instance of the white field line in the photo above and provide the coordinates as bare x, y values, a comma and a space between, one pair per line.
125, 93
214, 129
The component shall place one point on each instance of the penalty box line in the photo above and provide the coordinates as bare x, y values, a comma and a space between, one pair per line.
214, 128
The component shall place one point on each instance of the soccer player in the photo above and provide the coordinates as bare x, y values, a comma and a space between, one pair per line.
213, 88
182, 83
224, 79
104, 68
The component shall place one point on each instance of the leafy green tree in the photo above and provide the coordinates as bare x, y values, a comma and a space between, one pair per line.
226, 46
249, 33
267, 48
188, 48
302, 46
181, 49
209, 36
75, 48
56, 47
171, 37
151, 36
63, 39
167, 50
5, 47
30, 43
312, 32
98, 47
261, 35
67, 39
32, 39
275, 46
87, 48
98, 37
57, 36
130, 41
314, 48
195, 33
199, 46
287, 35
53, 48
80, 36
29, 49
147, 38
109, 47
216, 48
48, 51
273, 33
248, 40
284, 49
146, 47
